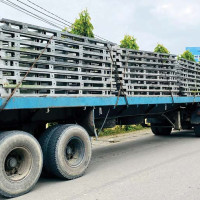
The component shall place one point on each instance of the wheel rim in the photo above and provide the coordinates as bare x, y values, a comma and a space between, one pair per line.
18, 164
75, 151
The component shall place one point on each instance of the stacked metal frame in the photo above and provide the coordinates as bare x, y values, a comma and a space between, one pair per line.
148, 73
188, 78
71, 65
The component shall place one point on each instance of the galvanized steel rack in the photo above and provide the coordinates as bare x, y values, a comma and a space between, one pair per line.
189, 77
79, 66
71, 65
148, 73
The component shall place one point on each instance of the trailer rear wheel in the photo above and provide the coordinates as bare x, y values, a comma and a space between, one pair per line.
162, 131
44, 141
69, 152
20, 164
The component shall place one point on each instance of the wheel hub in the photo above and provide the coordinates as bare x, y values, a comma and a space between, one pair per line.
11, 162
74, 152
69, 150
18, 164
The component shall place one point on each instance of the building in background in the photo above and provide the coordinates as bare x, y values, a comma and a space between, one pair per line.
195, 51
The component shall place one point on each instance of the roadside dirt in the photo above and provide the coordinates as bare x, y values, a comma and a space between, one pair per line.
111, 139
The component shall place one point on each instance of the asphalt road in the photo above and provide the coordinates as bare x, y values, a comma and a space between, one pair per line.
145, 167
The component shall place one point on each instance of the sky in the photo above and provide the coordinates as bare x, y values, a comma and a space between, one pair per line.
173, 23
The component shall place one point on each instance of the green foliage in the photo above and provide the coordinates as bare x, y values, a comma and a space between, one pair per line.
120, 129
161, 49
129, 42
65, 29
188, 56
82, 26
51, 124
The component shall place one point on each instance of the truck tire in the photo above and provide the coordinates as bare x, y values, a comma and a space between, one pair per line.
197, 130
162, 131
44, 140
69, 152
20, 164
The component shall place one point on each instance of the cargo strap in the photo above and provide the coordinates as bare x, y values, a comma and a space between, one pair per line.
103, 122
119, 84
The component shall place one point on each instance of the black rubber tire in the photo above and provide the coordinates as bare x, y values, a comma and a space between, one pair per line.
30, 166
197, 130
162, 131
44, 140
57, 148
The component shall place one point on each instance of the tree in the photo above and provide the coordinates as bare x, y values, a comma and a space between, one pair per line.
129, 42
188, 56
161, 49
83, 26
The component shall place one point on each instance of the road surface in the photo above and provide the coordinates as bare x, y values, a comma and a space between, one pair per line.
136, 167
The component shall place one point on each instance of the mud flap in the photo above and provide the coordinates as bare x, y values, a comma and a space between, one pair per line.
85, 118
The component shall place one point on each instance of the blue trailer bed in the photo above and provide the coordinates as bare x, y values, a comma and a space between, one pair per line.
58, 102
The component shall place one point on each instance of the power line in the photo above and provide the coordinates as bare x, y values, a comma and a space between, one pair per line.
13, 5
49, 12
61, 18
42, 12
52, 23
49, 15
32, 15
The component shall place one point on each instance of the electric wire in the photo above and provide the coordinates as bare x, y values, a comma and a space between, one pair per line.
42, 13
29, 13
52, 23
49, 12
70, 24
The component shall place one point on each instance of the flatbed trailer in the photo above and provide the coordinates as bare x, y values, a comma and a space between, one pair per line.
80, 85
59, 102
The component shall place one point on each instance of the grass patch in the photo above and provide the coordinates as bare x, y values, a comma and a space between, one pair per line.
121, 129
